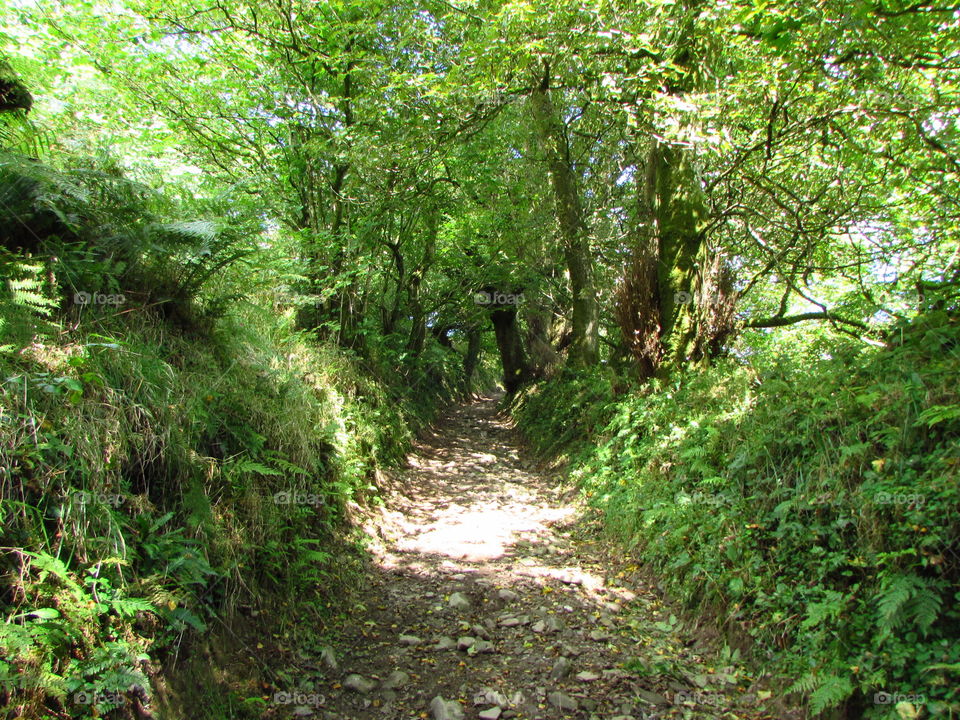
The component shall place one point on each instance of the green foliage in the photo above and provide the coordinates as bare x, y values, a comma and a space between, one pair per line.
808, 498
338, 186
73, 641
153, 479
25, 303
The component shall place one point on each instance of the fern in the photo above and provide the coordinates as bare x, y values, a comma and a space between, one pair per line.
925, 608
24, 303
895, 593
804, 685
825, 691
249, 466
129, 607
831, 691
831, 608
198, 231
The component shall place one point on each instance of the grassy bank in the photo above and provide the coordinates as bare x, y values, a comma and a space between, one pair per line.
177, 461
809, 499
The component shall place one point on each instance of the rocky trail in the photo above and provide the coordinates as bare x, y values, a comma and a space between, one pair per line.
490, 598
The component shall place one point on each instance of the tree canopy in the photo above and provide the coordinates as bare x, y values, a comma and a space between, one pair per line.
652, 179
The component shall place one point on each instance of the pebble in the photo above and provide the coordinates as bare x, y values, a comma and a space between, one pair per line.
587, 676
410, 640
445, 709
465, 643
328, 657
561, 668
459, 601
359, 684
480, 646
480, 631
652, 697
396, 679
555, 624
490, 696
445, 643
490, 714
508, 595
562, 701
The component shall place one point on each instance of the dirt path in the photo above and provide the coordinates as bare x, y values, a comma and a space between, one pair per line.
487, 600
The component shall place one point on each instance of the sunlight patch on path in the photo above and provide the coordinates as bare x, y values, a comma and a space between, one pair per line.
482, 530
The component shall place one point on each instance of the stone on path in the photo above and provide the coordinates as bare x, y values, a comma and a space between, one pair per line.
459, 601
562, 701
561, 668
328, 657
480, 631
359, 684
508, 595
445, 643
396, 679
410, 640
445, 709
490, 714
480, 646
490, 696
652, 697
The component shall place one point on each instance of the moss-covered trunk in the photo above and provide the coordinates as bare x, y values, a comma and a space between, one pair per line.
573, 228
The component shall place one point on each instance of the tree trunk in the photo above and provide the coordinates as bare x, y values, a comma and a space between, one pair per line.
418, 331
516, 369
679, 211
573, 229
675, 303
539, 321
472, 358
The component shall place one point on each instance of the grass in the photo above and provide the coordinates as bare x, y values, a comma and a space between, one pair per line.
157, 482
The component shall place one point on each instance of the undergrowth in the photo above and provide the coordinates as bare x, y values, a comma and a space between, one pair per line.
811, 500
173, 451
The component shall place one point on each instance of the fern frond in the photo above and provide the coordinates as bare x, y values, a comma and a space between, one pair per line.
832, 691
895, 592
